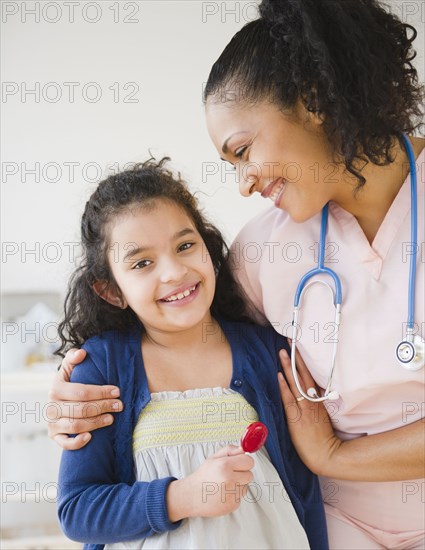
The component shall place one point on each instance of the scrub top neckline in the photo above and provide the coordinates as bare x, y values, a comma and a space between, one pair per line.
373, 255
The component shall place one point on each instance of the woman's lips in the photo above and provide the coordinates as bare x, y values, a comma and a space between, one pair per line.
274, 190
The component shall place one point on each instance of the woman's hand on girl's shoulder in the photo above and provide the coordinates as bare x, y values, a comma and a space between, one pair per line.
216, 488
68, 411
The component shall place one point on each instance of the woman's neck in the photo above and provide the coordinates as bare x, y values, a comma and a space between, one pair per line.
371, 204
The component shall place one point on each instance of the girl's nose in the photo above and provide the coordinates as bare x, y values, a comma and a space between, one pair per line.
248, 177
172, 269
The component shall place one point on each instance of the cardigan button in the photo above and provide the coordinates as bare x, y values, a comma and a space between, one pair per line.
237, 383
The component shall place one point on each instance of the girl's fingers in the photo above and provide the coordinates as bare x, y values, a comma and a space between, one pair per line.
228, 450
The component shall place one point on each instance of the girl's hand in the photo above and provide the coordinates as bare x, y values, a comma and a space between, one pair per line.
214, 489
78, 408
309, 423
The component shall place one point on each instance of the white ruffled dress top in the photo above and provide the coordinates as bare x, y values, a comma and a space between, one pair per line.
174, 435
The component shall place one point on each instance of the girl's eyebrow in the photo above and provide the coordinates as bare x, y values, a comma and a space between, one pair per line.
224, 147
134, 251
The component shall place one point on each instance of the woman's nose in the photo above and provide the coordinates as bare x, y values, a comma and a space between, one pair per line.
247, 175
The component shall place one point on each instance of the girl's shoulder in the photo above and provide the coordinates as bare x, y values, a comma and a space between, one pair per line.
254, 337
106, 352
113, 340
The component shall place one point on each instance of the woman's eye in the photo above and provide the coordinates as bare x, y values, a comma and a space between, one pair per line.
240, 152
185, 246
141, 264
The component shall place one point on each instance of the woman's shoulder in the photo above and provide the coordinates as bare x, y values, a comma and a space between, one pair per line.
261, 225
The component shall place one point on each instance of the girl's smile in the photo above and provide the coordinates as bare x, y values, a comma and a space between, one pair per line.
166, 275
182, 296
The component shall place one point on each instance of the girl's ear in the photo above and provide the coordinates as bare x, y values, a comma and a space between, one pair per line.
109, 293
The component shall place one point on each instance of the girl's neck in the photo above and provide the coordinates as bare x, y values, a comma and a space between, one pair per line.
199, 358
371, 204
207, 331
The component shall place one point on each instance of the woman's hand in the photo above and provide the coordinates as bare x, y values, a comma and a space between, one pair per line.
214, 489
377, 457
78, 408
309, 423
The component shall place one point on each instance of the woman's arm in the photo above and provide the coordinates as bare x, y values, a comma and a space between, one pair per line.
69, 410
394, 455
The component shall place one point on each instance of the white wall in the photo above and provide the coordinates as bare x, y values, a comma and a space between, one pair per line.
167, 52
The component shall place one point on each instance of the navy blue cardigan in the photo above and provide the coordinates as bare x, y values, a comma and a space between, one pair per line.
99, 500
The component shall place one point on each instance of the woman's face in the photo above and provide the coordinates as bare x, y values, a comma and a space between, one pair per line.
284, 157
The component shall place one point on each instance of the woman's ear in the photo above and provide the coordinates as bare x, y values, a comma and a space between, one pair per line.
109, 293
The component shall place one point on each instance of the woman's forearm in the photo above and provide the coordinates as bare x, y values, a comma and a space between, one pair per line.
395, 455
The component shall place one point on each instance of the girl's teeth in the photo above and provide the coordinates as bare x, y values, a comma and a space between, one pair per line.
180, 295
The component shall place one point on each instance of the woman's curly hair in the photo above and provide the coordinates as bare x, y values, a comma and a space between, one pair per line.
85, 313
349, 61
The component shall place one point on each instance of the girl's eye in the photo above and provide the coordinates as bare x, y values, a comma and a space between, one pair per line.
185, 246
141, 264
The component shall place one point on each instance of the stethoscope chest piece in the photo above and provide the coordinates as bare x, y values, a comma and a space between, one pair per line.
411, 354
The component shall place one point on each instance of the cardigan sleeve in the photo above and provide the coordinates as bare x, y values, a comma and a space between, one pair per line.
93, 505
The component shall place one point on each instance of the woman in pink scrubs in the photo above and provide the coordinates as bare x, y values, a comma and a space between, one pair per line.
309, 103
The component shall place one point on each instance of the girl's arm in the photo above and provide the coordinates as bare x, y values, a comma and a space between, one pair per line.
395, 455
93, 506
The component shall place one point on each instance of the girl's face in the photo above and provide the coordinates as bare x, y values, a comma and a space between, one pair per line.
162, 267
285, 158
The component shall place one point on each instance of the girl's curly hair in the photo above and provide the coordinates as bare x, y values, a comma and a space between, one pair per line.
349, 61
85, 313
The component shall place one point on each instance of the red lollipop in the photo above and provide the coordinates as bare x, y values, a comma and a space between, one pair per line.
254, 437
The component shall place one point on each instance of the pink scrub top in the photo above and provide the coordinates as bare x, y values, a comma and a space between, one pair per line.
272, 253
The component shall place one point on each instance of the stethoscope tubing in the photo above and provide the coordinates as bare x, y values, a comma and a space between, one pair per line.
311, 394
413, 238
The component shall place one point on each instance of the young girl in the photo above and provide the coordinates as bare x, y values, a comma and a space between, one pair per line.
157, 309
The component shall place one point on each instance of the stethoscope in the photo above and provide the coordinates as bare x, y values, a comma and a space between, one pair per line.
410, 351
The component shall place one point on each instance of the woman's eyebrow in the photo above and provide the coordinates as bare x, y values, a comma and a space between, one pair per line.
224, 147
